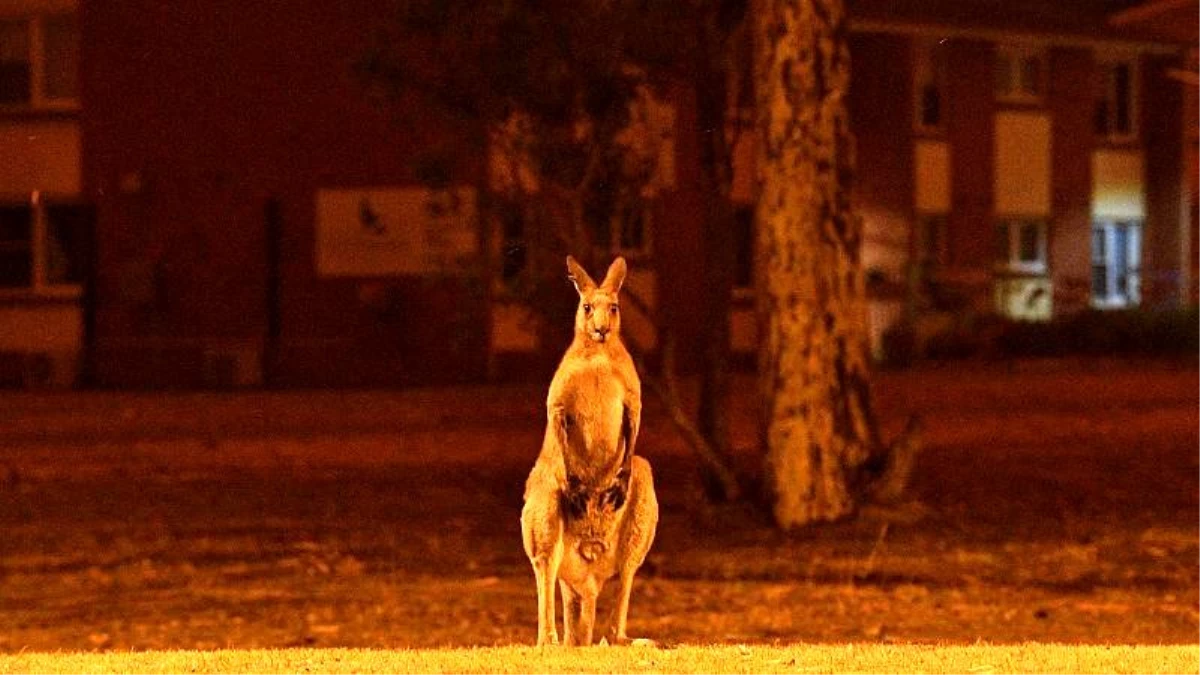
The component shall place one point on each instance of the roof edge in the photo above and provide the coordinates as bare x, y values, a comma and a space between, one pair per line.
1147, 10
1007, 35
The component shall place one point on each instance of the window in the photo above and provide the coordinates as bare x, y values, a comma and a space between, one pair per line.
16, 81
929, 84
513, 249
1116, 256
39, 61
743, 237
60, 49
16, 236
619, 225
1021, 245
930, 245
1020, 74
631, 227
43, 245
1115, 101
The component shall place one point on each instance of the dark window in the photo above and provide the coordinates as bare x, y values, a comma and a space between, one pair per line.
67, 228
1019, 74
931, 240
1021, 244
598, 214
61, 50
633, 227
16, 249
1114, 117
743, 221
513, 254
1031, 75
16, 82
931, 106
1029, 251
929, 78
1001, 242
1122, 89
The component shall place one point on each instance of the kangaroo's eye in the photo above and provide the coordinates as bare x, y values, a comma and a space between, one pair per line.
613, 309
587, 308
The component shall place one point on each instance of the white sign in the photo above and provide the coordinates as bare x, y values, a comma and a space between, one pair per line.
389, 231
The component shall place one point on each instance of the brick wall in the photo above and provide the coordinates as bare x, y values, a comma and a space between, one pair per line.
1070, 103
195, 115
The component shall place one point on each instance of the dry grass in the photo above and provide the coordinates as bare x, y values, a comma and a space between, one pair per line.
1058, 505
860, 658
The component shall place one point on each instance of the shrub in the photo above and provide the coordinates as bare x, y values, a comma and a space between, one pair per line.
1118, 333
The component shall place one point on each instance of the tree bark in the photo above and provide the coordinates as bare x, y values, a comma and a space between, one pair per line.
817, 425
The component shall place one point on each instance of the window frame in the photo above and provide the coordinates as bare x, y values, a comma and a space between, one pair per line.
1106, 63
39, 98
39, 205
930, 249
743, 238
1012, 260
1013, 57
1112, 299
928, 69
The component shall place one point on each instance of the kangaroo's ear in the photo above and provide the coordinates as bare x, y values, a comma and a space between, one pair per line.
579, 276
615, 276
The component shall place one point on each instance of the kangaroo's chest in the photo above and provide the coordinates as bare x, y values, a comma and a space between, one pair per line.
590, 400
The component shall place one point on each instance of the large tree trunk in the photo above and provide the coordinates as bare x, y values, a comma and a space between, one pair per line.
817, 425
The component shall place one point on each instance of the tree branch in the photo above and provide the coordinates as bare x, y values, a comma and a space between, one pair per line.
667, 391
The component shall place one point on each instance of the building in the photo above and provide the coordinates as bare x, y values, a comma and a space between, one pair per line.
44, 217
1027, 158
1175, 21
214, 201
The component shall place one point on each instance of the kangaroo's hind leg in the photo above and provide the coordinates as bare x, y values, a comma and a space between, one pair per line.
541, 530
638, 534
571, 608
587, 616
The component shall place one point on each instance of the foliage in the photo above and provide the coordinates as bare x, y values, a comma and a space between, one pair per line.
1172, 332
1134, 332
562, 99
549, 94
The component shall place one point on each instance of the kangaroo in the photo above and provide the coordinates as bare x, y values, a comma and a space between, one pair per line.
590, 510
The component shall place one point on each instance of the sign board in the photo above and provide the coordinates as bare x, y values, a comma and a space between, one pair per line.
391, 231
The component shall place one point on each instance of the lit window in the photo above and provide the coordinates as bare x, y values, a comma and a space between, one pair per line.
1020, 74
1116, 257
1115, 101
1021, 245
39, 61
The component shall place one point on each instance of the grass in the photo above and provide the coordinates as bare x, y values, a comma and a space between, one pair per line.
1057, 505
822, 658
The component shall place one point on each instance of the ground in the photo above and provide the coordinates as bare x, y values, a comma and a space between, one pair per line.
1055, 502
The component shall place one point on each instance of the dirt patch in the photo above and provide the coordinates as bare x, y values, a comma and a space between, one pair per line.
1056, 503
